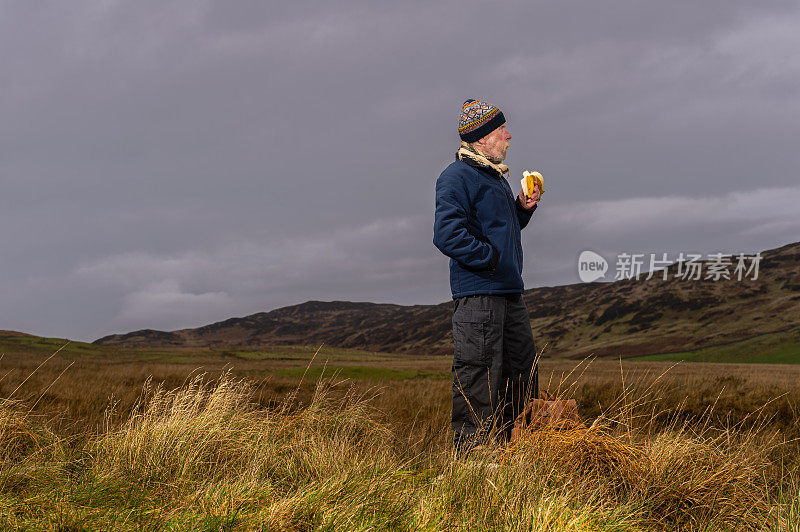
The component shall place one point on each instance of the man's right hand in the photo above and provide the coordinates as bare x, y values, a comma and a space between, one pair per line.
528, 202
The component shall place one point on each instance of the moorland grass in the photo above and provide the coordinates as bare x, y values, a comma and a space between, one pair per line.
211, 454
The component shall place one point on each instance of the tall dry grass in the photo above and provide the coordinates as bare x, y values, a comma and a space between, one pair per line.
208, 455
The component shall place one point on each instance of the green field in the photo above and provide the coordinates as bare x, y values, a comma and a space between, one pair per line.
360, 373
772, 348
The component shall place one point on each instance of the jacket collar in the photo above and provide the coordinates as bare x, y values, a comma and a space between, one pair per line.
473, 158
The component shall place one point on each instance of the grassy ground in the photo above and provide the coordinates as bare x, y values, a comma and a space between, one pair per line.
228, 439
776, 348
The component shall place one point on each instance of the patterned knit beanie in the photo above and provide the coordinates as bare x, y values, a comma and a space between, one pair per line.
478, 119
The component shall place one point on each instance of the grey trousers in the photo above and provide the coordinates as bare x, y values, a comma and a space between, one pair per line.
494, 367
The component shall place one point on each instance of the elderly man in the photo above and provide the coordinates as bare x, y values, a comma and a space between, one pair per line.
477, 224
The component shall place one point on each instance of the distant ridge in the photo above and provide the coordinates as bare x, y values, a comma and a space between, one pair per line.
6, 333
621, 318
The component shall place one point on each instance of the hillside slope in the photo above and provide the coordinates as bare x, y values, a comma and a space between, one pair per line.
627, 317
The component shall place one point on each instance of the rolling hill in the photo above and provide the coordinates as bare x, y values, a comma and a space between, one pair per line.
622, 318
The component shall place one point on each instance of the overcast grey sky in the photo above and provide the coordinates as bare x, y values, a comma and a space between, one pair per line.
166, 164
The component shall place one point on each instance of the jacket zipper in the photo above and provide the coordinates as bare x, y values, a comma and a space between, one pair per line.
513, 221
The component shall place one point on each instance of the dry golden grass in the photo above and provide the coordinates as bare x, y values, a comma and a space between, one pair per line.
220, 451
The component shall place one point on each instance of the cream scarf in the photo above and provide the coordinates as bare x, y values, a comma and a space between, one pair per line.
465, 152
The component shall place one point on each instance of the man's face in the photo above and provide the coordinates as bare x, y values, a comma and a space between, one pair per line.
495, 145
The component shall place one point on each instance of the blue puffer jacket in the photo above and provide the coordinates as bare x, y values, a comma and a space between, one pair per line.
478, 223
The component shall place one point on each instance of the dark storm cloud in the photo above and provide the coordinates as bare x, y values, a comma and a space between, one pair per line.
166, 164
